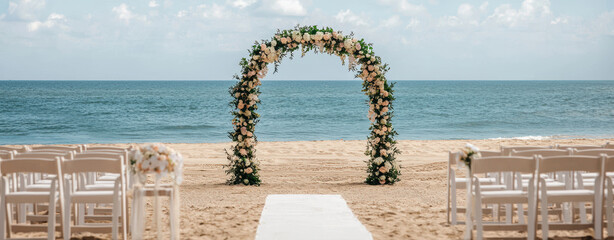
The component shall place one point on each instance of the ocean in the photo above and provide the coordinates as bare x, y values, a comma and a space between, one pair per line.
69, 112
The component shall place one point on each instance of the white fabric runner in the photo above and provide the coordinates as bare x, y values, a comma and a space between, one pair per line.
309, 217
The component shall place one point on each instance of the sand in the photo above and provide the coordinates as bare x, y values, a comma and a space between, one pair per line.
414, 208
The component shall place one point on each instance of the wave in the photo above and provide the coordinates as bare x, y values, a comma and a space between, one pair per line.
524, 138
187, 127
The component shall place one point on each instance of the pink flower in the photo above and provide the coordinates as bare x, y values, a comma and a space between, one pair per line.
382, 182
243, 152
383, 169
371, 68
385, 94
249, 170
262, 47
243, 131
283, 40
384, 110
358, 46
250, 134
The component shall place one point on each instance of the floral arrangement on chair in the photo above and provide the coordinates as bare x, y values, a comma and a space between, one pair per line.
468, 153
156, 159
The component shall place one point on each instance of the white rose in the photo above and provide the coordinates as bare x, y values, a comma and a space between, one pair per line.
348, 44
382, 177
473, 148
307, 37
378, 160
273, 43
388, 165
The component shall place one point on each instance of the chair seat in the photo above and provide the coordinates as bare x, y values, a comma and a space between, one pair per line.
92, 197
576, 195
27, 197
39, 187
505, 196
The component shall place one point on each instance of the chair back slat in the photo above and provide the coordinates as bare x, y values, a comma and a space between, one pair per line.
485, 153
101, 165
570, 163
29, 165
503, 164
56, 148
542, 152
42, 155
453, 158
595, 152
103, 148
18, 149
578, 147
6, 154
507, 150
94, 155
609, 164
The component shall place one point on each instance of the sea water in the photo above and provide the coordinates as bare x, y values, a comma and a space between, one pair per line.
63, 112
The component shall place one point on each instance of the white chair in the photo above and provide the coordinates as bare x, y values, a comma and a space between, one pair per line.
609, 189
16, 149
53, 196
455, 183
546, 196
506, 151
115, 197
578, 147
507, 196
51, 148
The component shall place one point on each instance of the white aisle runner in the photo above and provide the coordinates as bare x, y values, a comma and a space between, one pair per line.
309, 217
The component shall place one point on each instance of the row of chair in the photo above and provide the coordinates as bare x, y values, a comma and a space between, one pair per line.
73, 181
508, 181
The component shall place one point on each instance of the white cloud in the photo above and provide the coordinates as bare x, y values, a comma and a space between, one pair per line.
392, 22
123, 13
413, 23
466, 11
242, 3
286, 7
205, 11
25, 9
53, 20
529, 11
484, 7
153, 4
403, 6
348, 16
558, 20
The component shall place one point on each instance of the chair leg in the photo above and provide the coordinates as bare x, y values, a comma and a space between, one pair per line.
477, 207
609, 210
544, 210
597, 212
3, 211
520, 213
51, 210
582, 207
453, 210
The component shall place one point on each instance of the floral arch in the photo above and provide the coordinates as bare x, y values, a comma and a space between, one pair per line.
243, 166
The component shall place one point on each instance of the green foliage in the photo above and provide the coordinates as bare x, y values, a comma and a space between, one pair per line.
243, 165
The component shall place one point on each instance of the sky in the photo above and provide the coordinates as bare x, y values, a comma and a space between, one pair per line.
204, 40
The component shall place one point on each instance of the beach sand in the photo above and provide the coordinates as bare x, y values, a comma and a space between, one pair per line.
413, 208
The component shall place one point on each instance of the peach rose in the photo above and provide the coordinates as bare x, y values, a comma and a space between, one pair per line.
243, 131
358, 46
385, 109
385, 93
371, 68
383, 169
243, 152
262, 47
383, 152
250, 134
382, 182
249, 170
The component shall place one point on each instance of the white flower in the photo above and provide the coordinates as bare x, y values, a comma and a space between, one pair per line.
348, 45
318, 36
378, 160
307, 37
382, 177
473, 148
388, 165
273, 43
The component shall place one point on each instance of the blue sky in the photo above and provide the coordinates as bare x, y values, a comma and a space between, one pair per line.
204, 40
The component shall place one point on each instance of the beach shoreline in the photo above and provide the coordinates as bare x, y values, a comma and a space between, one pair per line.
413, 207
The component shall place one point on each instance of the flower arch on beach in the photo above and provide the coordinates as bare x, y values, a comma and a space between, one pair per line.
243, 166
